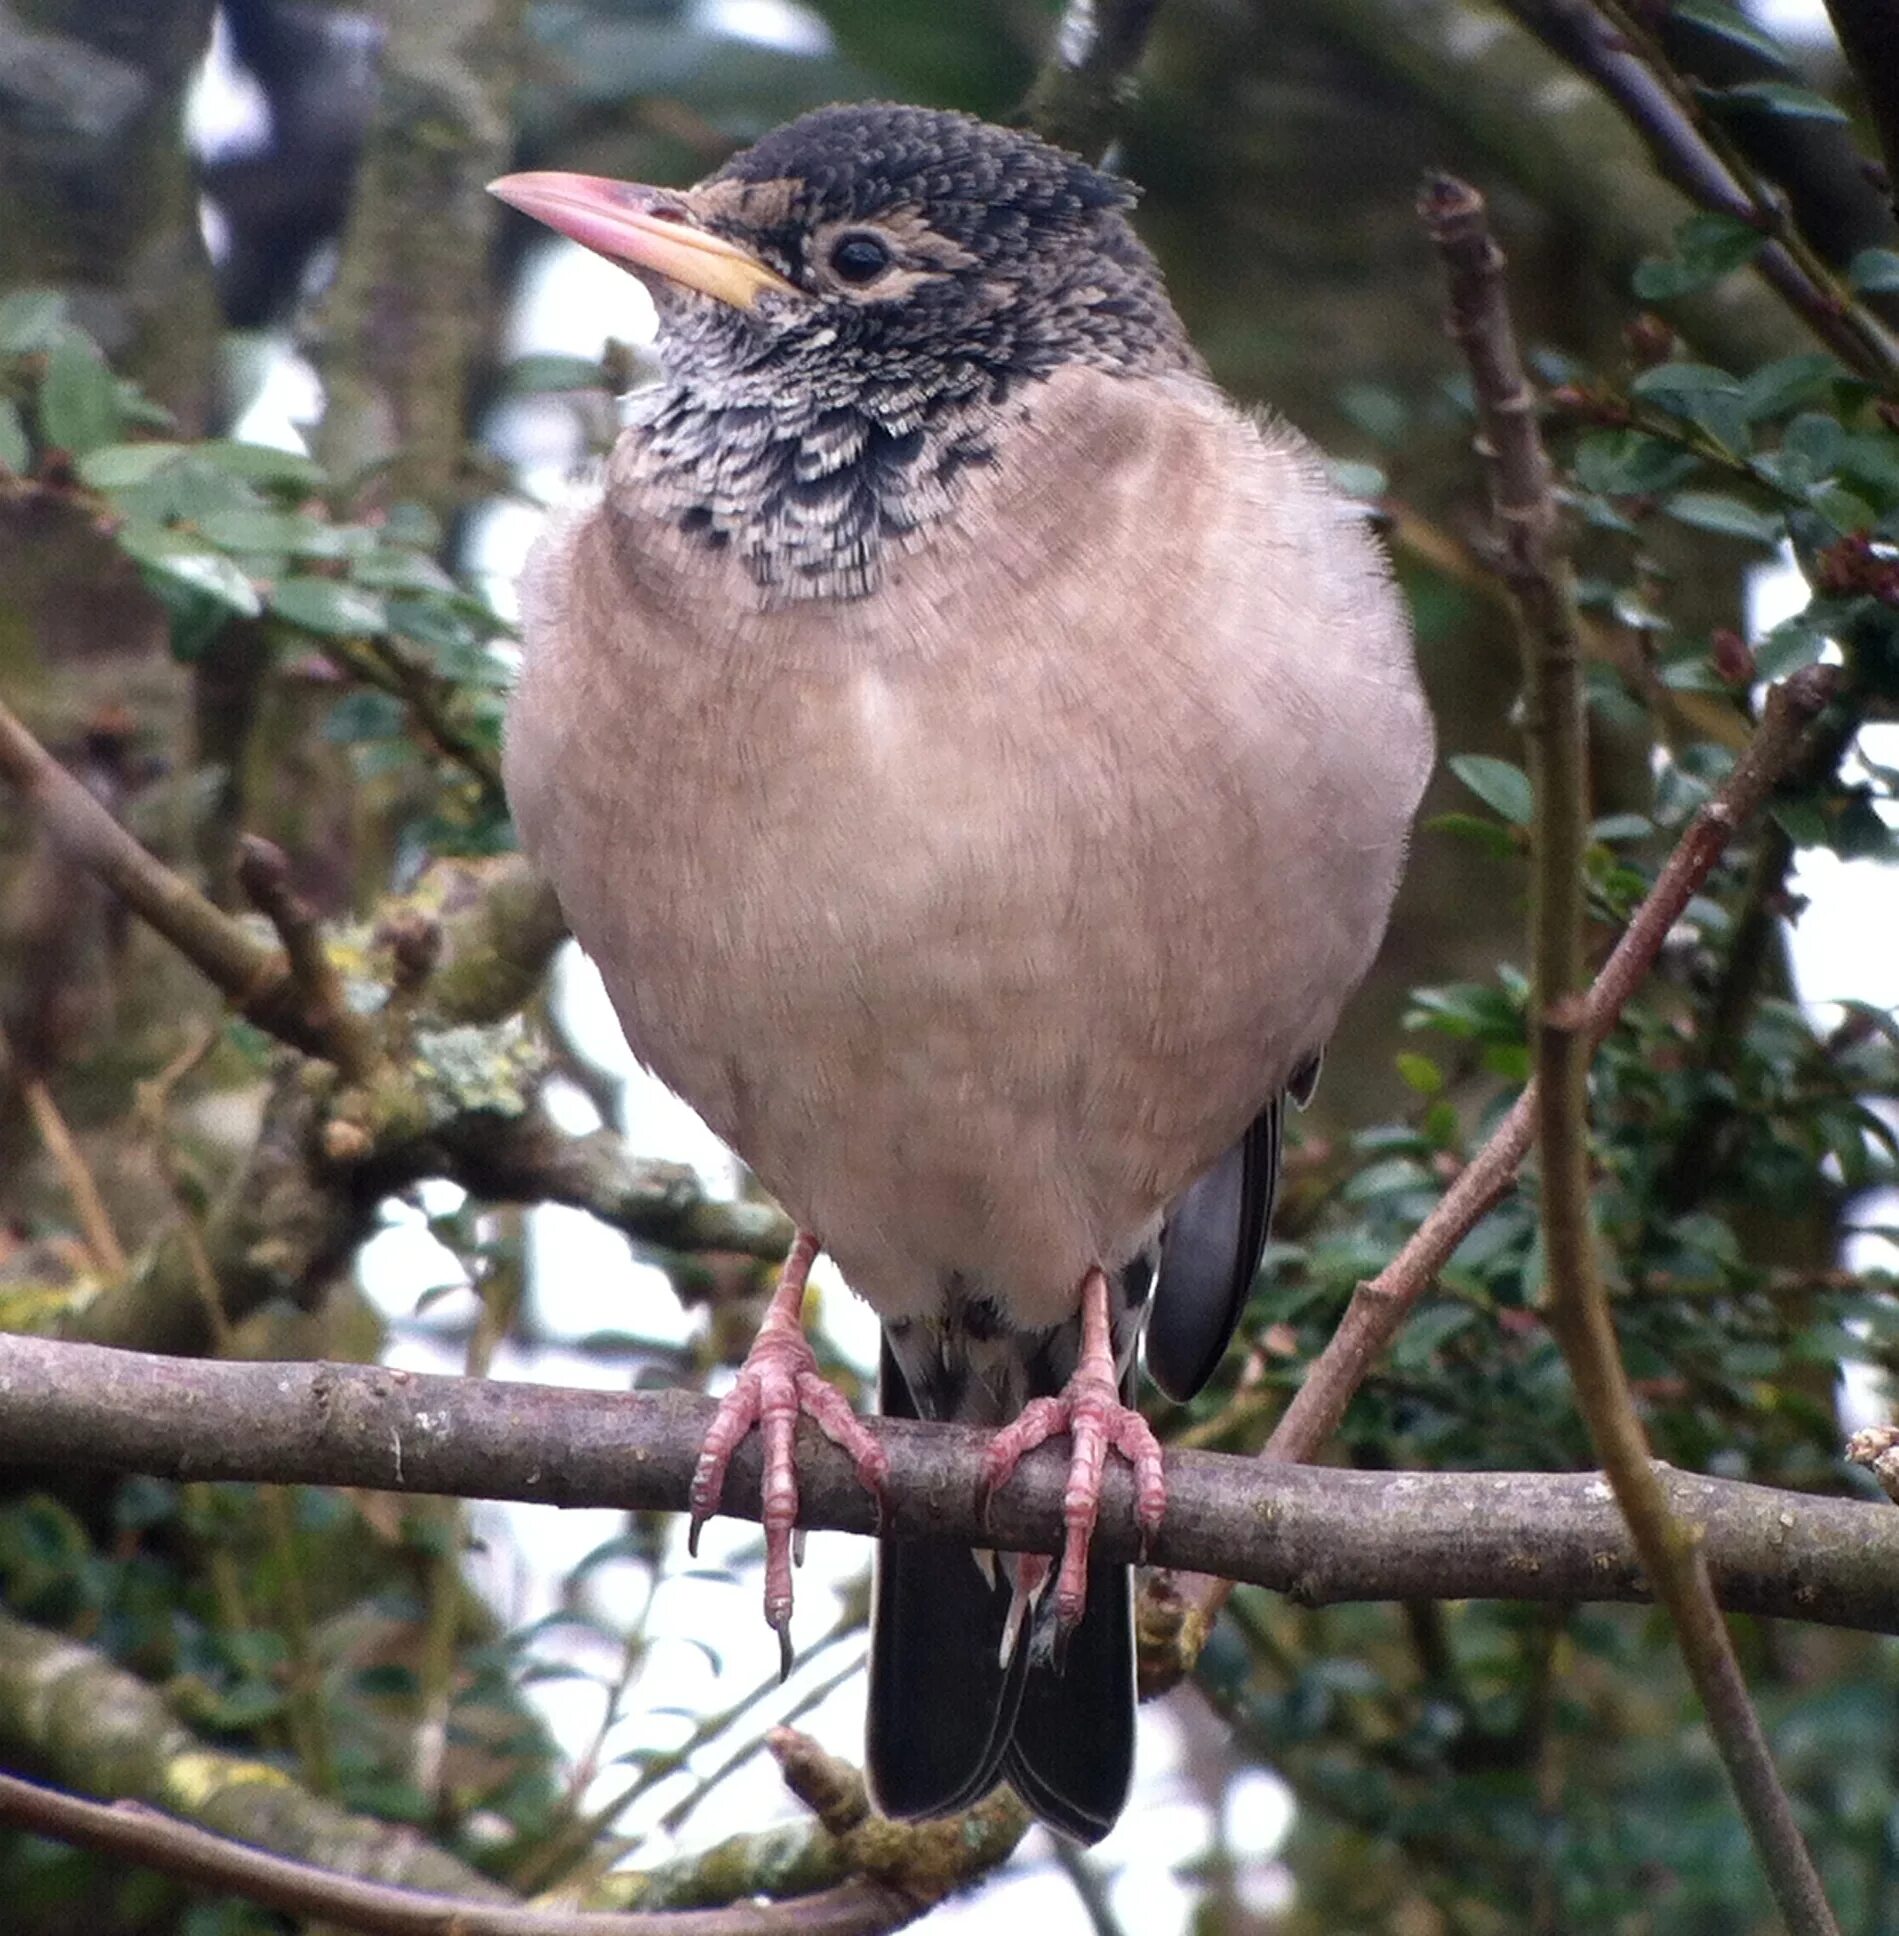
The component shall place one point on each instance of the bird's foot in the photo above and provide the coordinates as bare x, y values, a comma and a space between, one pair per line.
778, 1380
1089, 1408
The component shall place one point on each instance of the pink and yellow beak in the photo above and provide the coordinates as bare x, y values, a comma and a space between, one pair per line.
644, 228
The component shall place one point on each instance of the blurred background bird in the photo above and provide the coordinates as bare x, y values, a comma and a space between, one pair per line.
980, 760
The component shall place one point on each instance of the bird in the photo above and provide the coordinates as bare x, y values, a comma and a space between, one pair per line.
979, 757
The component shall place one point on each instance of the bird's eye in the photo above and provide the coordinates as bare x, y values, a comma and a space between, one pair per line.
860, 257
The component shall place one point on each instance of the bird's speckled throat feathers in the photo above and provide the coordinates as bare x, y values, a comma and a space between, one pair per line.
812, 432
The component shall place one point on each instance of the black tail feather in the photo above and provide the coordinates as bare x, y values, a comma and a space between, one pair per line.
1071, 1756
948, 1720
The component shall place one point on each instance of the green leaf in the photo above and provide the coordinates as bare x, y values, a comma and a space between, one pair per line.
1793, 643
1846, 511
30, 319
1731, 24
1707, 247
1814, 441
1711, 511
1419, 1072
1785, 98
79, 400
1631, 463
242, 527
16, 454
113, 466
1874, 271
1667, 380
1496, 841
184, 558
329, 606
262, 464
1787, 383
1498, 784
1621, 826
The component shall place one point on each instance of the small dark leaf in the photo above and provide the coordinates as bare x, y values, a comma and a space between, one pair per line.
1707, 247
1498, 784
1713, 511
1787, 383
1731, 24
1784, 98
329, 606
79, 399
30, 319
1667, 382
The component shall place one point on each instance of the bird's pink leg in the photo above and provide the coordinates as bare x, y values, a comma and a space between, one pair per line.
1090, 1409
778, 1380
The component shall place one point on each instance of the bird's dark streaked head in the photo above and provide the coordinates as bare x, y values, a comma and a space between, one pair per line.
892, 250
844, 307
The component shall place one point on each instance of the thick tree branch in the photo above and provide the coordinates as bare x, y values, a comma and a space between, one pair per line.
1534, 565
1318, 1533
84, 1721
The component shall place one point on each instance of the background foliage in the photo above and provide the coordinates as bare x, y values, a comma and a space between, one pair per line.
224, 638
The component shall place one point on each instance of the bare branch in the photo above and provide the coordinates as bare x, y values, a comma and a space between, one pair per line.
139, 1834
1534, 565
263, 871
1315, 1532
255, 979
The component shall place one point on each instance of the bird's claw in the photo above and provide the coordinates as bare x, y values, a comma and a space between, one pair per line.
1089, 1408
778, 1380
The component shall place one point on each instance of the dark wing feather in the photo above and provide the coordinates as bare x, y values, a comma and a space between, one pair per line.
1210, 1249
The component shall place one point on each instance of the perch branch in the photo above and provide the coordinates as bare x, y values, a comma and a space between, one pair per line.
1318, 1533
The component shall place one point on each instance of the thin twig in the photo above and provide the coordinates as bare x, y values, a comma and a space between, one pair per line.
1699, 159
1532, 562
428, 698
256, 980
263, 872
139, 1834
95, 1221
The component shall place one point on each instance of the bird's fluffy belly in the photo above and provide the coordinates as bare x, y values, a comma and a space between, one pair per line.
976, 918
866, 972
874, 989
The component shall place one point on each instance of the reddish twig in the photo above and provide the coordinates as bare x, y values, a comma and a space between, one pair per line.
1534, 565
